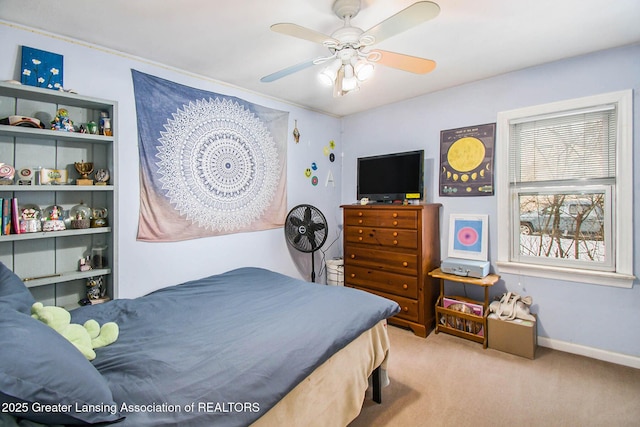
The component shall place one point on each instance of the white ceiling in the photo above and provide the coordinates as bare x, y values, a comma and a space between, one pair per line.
230, 41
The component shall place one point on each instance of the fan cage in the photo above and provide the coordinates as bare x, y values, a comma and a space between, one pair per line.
306, 228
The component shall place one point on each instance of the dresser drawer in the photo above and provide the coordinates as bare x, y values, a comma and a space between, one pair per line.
370, 278
381, 260
409, 308
392, 218
388, 237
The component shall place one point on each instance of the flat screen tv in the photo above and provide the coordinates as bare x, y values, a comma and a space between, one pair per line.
391, 177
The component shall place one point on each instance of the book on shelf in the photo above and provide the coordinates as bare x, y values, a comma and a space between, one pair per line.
15, 216
9, 216
6, 216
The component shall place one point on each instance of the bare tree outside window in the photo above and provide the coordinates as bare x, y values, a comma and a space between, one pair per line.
566, 226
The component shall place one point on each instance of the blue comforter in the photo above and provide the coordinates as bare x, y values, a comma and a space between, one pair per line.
223, 350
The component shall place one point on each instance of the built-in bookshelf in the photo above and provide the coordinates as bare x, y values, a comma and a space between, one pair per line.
49, 261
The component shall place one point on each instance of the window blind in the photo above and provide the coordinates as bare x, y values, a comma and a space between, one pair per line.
566, 147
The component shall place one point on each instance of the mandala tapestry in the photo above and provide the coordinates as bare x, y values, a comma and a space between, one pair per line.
209, 164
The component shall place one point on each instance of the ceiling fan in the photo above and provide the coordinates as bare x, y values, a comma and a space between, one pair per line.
351, 60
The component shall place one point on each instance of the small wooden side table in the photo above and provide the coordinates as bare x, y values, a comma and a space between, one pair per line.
465, 322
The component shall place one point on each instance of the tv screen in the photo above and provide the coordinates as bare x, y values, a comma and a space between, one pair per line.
391, 177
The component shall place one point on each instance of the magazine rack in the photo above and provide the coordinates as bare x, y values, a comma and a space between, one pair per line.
472, 326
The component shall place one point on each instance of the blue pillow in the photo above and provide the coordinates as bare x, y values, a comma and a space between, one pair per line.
13, 293
40, 367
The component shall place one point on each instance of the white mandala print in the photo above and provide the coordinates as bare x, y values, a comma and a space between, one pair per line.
218, 164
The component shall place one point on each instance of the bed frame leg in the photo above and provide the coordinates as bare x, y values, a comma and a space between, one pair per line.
377, 385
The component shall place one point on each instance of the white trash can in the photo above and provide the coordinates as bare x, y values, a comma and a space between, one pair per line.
335, 272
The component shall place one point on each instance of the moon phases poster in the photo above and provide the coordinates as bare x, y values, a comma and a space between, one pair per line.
466, 161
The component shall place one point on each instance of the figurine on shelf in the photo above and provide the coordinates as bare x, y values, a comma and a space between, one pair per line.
62, 121
96, 288
30, 219
99, 217
102, 176
92, 128
105, 124
54, 219
79, 216
85, 264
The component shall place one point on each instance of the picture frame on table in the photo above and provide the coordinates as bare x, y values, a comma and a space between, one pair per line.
469, 236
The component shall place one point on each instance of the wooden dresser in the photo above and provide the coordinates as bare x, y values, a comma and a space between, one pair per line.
389, 251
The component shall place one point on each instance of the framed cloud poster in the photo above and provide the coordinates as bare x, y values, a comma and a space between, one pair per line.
468, 236
466, 161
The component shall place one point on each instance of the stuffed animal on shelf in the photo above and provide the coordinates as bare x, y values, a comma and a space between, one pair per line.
85, 337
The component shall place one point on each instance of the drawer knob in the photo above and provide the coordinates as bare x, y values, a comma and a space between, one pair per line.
360, 231
360, 238
353, 275
359, 221
359, 213
353, 256
395, 215
405, 263
405, 286
395, 242
395, 222
395, 234
405, 309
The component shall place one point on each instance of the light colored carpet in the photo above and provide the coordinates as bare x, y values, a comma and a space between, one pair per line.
448, 381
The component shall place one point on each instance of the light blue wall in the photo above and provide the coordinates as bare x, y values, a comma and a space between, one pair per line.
144, 267
586, 315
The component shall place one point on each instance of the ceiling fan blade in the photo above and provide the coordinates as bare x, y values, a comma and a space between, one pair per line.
300, 32
286, 71
407, 18
413, 64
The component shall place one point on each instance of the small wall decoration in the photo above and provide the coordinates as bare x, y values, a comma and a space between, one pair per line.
466, 161
296, 132
468, 236
41, 68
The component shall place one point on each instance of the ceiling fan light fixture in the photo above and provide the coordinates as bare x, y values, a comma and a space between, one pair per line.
363, 69
326, 78
349, 82
350, 60
330, 72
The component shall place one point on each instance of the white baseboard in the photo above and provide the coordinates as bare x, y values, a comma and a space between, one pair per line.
594, 353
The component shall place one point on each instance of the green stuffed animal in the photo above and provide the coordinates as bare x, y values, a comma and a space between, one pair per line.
85, 337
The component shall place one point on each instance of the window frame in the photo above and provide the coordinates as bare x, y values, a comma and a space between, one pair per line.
622, 197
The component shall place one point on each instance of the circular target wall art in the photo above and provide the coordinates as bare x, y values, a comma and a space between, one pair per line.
466, 161
468, 236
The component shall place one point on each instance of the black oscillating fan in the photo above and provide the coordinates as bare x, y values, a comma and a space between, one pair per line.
306, 230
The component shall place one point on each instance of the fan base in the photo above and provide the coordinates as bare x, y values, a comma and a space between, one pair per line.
344, 8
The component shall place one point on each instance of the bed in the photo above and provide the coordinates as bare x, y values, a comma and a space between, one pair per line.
246, 347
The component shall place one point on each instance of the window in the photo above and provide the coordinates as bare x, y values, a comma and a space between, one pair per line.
564, 186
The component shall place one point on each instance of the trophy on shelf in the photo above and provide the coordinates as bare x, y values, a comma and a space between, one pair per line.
84, 169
